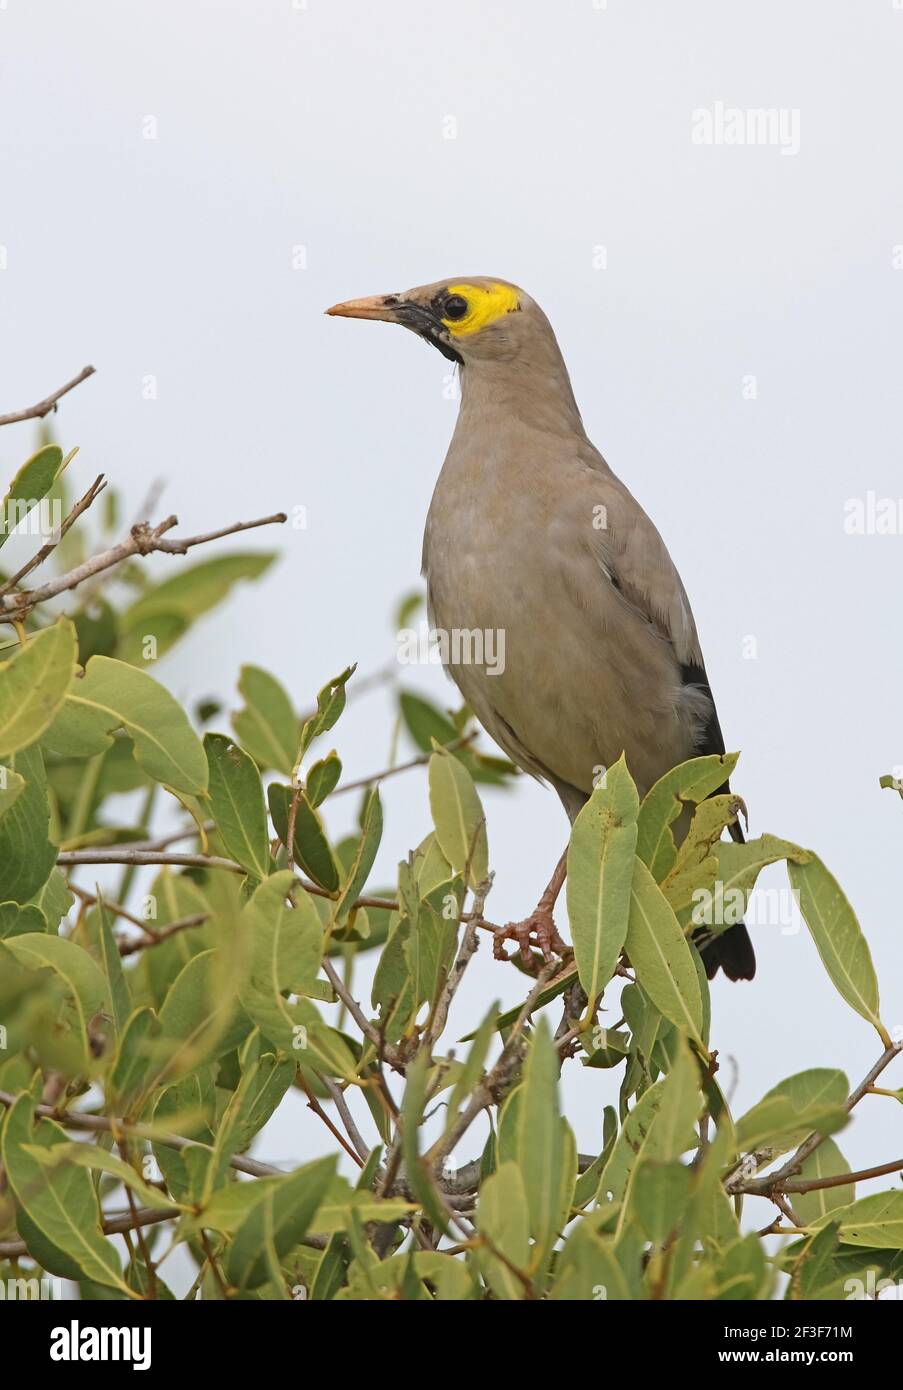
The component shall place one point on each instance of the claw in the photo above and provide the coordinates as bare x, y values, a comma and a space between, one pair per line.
539, 931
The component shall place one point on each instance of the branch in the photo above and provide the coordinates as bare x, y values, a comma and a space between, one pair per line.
485, 1093
143, 1216
778, 1181
419, 761
99, 1124
44, 407
143, 539
839, 1179
81, 505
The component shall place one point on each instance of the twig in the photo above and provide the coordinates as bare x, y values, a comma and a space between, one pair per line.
777, 1181
99, 1124
840, 1179
144, 1216
402, 767
467, 949
66, 524
485, 1094
143, 540
44, 407
197, 919
314, 1105
212, 1264
341, 1105
114, 855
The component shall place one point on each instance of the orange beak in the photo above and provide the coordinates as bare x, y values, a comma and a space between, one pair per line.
378, 306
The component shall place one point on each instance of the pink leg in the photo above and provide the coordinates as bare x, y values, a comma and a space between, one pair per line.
538, 929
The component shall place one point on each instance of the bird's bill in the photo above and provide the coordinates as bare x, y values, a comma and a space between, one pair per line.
409, 311
377, 306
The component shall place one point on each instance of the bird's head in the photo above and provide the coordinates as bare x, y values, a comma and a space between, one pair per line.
470, 318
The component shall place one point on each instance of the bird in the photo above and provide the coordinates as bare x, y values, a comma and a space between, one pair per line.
530, 534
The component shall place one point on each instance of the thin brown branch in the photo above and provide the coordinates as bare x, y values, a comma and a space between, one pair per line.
419, 761
47, 549
143, 1216
197, 919
100, 1124
341, 1105
314, 1105
44, 407
143, 539
486, 1093
841, 1179
778, 1181
116, 855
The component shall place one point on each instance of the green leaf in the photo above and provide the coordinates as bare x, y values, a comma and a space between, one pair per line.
323, 778
826, 1162
134, 1060
660, 955
838, 939
11, 784
112, 964
696, 864
53, 899
60, 1203
278, 1221
660, 1192
876, 1221
472, 1070
112, 695
691, 782
540, 1145
267, 725
26, 854
330, 704
739, 866
807, 1101
200, 1019
30, 485
424, 722
87, 990
502, 1220
33, 685
600, 875
660, 1126
286, 946
100, 1161
589, 1269
20, 921
197, 588
418, 1174
359, 871
458, 817
312, 850
264, 1082
236, 798
741, 1274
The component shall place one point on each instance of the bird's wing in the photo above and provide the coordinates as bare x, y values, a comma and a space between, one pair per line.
636, 562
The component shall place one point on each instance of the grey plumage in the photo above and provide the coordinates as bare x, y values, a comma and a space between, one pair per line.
532, 535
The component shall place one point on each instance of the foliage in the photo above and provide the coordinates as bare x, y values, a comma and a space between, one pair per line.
150, 1031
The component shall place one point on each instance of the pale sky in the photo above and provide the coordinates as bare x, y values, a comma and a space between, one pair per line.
734, 348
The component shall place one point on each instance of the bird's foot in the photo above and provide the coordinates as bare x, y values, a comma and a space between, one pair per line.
536, 931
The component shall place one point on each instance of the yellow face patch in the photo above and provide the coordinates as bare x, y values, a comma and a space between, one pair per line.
484, 306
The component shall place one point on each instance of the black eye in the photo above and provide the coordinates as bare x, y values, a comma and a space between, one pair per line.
455, 307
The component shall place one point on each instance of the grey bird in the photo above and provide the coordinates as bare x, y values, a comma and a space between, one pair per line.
530, 534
